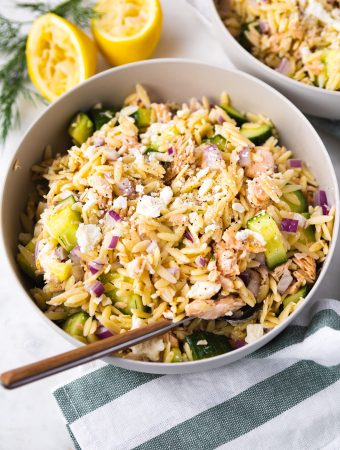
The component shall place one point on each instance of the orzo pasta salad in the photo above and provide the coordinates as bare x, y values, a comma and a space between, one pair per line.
298, 38
173, 210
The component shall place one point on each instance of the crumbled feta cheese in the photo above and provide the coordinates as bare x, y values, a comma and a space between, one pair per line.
135, 267
202, 342
90, 151
202, 173
166, 195
205, 187
177, 203
254, 332
137, 154
65, 194
98, 300
136, 322
120, 202
195, 221
92, 199
150, 206
88, 236
149, 349
45, 257
158, 156
304, 52
243, 235
139, 189
238, 207
211, 227
107, 301
168, 315
203, 290
211, 265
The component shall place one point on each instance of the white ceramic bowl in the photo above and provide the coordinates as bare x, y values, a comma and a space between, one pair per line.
176, 80
310, 99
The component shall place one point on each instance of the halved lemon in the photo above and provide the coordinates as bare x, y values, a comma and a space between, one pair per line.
127, 30
59, 55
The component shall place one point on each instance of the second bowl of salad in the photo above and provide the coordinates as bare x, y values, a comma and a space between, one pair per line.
294, 46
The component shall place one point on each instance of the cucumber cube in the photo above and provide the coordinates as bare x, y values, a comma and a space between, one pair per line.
275, 253
74, 325
81, 128
63, 224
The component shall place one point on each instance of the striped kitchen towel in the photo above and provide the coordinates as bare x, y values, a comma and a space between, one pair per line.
284, 396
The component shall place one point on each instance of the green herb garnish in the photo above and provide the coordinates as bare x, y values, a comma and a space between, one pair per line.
14, 79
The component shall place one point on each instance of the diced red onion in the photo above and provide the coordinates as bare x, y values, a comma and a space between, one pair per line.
188, 236
96, 288
126, 187
212, 157
95, 266
151, 247
238, 343
74, 254
320, 198
284, 282
170, 151
244, 157
295, 163
264, 27
285, 67
200, 261
289, 225
115, 216
173, 270
220, 120
254, 283
325, 210
114, 242
103, 332
99, 141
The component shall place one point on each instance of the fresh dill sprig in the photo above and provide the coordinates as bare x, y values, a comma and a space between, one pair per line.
38, 7
74, 10
9, 34
13, 77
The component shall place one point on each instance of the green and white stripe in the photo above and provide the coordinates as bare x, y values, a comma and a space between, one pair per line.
286, 395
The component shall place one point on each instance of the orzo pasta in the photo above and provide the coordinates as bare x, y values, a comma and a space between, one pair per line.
171, 210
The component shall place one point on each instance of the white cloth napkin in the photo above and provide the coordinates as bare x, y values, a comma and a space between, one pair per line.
284, 396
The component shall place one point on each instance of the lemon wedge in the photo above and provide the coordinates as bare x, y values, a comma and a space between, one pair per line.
127, 30
59, 55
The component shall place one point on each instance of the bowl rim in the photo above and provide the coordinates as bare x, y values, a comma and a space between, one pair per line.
203, 364
262, 66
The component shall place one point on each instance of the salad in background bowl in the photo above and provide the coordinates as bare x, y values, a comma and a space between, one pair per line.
294, 46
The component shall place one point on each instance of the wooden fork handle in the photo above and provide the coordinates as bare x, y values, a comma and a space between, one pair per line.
41, 369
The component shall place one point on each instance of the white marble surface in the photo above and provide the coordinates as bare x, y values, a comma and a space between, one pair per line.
29, 418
